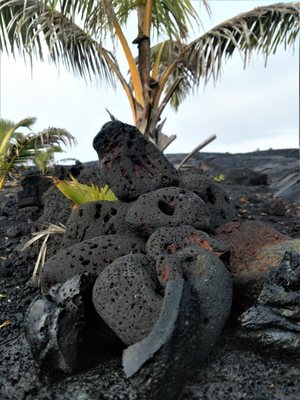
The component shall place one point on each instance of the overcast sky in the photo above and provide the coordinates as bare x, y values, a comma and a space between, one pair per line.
250, 109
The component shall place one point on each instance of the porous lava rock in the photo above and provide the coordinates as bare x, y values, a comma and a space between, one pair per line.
170, 240
130, 164
52, 213
95, 219
274, 321
91, 255
126, 296
167, 207
57, 326
220, 207
196, 305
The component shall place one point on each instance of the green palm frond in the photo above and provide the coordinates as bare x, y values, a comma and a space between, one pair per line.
173, 18
80, 193
262, 30
169, 17
8, 131
18, 149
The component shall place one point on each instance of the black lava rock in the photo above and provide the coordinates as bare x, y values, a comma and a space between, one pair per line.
219, 204
125, 296
212, 281
54, 325
130, 164
91, 255
33, 188
95, 219
167, 207
274, 321
246, 176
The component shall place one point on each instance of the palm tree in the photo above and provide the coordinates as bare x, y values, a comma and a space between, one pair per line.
75, 33
18, 149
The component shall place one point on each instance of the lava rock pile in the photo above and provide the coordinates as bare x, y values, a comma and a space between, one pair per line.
149, 269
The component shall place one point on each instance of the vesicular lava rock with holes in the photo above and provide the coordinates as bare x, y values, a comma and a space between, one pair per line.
170, 240
170, 206
130, 164
63, 330
274, 321
220, 207
193, 313
125, 296
91, 255
95, 219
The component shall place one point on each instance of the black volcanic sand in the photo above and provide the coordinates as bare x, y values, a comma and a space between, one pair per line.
233, 371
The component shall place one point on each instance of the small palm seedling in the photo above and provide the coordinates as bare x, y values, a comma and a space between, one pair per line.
17, 148
80, 193
43, 234
219, 178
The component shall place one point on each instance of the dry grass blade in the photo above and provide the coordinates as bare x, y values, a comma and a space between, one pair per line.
45, 233
5, 324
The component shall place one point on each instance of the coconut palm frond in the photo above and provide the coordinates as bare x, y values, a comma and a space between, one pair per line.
262, 30
8, 130
174, 18
41, 258
53, 136
5, 126
168, 17
37, 29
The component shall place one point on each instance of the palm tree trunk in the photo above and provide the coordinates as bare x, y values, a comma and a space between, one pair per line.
143, 42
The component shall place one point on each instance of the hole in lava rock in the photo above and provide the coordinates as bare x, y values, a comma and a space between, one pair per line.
106, 218
210, 196
226, 198
166, 208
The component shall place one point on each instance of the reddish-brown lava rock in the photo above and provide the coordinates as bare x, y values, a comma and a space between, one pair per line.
255, 250
245, 239
170, 240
